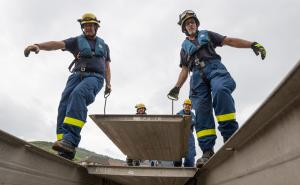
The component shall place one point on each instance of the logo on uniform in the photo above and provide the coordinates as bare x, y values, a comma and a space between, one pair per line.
100, 46
202, 35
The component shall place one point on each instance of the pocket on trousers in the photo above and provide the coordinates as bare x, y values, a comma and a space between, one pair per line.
195, 82
217, 68
94, 88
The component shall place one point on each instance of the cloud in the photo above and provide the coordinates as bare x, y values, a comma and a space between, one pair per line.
24, 121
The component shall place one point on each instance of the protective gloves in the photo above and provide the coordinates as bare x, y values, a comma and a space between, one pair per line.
33, 48
257, 48
173, 94
107, 91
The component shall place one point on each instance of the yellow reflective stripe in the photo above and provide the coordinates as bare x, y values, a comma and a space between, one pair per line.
73, 121
207, 132
59, 136
226, 117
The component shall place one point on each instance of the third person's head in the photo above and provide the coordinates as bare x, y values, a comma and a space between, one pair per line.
187, 106
140, 108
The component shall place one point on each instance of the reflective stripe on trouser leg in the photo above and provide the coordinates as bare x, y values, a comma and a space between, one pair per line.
59, 136
82, 95
201, 102
206, 132
222, 87
74, 127
72, 82
207, 137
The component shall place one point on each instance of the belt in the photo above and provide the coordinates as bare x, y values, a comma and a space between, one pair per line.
87, 73
200, 64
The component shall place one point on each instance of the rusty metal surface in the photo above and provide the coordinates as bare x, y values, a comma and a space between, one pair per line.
161, 137
266, 150
24, 164
144, 175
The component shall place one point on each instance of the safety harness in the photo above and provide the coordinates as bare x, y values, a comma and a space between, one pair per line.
85, 51
191, 49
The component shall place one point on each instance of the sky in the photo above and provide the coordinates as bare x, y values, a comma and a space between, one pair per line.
144, 41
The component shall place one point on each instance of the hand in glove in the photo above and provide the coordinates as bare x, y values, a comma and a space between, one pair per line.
257, 48
107, 90
173, 94
32, 48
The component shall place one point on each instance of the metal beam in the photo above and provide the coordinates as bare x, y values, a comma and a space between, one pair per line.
160, 137
144, 175
266, 149
24, 164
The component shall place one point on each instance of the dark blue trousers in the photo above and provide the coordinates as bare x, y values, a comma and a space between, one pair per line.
80, 91
213, 94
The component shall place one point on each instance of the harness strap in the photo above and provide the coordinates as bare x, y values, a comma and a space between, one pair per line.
71, 65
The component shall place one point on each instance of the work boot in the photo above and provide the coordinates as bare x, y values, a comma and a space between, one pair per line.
177, 163
63, 146
136, 163
225, 139
68, 155
129, 161
205, 157
152, 163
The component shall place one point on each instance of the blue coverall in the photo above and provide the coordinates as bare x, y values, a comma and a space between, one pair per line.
189, 159
81, 88
211, 86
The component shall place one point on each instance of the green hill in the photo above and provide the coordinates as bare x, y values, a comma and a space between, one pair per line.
81, 154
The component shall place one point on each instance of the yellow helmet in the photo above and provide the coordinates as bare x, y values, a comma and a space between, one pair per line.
89, 18
140, 105
187, 102
186, 15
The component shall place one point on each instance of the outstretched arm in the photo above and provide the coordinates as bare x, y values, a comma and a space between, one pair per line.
237, 43
47, 46
240, 43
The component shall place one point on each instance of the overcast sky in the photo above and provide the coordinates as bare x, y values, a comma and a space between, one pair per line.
144, 41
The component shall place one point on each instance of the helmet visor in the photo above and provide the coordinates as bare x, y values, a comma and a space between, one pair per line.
186, 13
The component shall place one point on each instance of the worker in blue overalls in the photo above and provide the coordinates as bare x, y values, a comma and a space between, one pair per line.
189, 159
140, 110
92, 67
211, 84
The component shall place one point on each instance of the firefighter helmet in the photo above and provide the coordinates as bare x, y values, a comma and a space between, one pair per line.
186, 15
89, 18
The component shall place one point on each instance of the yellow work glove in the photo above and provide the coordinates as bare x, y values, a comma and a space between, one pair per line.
259, 49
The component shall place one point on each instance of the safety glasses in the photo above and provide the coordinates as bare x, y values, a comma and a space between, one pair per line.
89, 19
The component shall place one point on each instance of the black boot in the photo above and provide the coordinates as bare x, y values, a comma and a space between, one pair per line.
225, 139
136, 162
177, 163
67, 155
152, 163
129, 162
205, 157
63, 146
